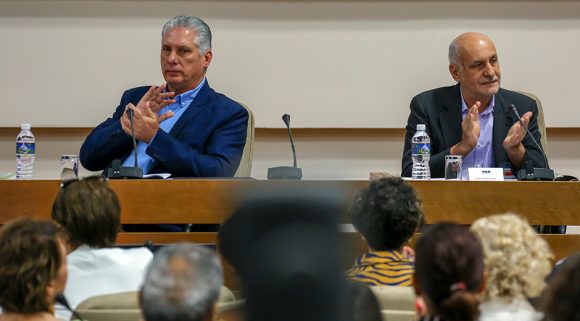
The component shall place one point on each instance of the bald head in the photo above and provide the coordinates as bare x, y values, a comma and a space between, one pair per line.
465, 41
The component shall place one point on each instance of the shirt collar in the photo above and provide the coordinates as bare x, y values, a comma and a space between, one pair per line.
185, 99
487, 110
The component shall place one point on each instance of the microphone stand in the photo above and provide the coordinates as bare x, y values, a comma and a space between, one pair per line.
529, 173
117, 171
286, 172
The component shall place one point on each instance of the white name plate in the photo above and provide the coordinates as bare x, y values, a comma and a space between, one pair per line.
485, 174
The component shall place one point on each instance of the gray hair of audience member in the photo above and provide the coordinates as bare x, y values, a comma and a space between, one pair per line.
182, 284
202, 30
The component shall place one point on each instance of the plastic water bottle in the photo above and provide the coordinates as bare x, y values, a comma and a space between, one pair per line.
25, 148
421, 152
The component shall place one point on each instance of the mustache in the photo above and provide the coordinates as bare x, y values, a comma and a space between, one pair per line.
491, 79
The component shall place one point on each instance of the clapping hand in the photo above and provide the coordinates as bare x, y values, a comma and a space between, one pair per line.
470, 129
516, 134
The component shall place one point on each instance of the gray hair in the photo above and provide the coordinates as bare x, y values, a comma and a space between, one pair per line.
203, 33
182, 284
454, 52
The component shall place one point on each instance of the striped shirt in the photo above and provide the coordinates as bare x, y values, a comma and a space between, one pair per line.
390, 268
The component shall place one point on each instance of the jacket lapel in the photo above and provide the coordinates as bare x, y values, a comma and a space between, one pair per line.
193, 109
501, 120
450, 117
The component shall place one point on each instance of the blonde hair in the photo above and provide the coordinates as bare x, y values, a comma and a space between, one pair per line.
516, 258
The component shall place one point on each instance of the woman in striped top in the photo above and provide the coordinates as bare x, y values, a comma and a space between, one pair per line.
387, 213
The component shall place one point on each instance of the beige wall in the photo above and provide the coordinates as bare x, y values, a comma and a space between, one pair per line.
328, 63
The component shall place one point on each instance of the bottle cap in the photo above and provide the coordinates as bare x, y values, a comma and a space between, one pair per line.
420, 126
25, 126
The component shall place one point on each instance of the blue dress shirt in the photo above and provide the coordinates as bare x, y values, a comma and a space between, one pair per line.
482, 154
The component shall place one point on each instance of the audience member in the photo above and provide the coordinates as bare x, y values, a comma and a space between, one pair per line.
182, 284
387, 213
561, 264
516, 261
563, 293
33, 269
449, 272
293, 273
263, 210
90, 212
285, 248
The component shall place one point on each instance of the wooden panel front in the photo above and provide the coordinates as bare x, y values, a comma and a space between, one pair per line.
207, 201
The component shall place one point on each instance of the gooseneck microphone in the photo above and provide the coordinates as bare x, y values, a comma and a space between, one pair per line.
61, 299
286, 172
131, 112
117, 171
286, 119
529, 173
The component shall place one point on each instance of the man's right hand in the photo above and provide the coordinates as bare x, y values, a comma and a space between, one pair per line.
156, 99
470, 130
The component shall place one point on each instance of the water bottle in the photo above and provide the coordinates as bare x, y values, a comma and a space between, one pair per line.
25, 147
421, 153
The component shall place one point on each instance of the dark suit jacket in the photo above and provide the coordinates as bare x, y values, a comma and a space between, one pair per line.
440, 110
206, 141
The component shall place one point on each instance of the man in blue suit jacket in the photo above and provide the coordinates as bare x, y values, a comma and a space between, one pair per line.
183, 127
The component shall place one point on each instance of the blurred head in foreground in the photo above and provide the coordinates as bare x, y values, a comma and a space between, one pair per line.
285, 247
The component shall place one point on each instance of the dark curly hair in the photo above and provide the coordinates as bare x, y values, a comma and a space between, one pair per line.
30, 257
89, 211
387, 213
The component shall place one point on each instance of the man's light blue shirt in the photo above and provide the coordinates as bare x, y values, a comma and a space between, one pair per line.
180, 105
482, 154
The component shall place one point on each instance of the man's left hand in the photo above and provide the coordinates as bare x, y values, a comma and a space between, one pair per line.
516, 134
513, 141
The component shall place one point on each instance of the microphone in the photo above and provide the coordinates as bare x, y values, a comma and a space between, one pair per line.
131, 112
529, 173
286, 119
117, 171
286, 172
61, 299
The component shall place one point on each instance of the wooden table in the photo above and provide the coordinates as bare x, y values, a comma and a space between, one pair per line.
210, 201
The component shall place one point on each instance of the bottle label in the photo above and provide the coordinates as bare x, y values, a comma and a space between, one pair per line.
422, 149
25, 148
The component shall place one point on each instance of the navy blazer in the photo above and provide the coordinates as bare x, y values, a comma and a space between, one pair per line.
206, 141
440, 110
